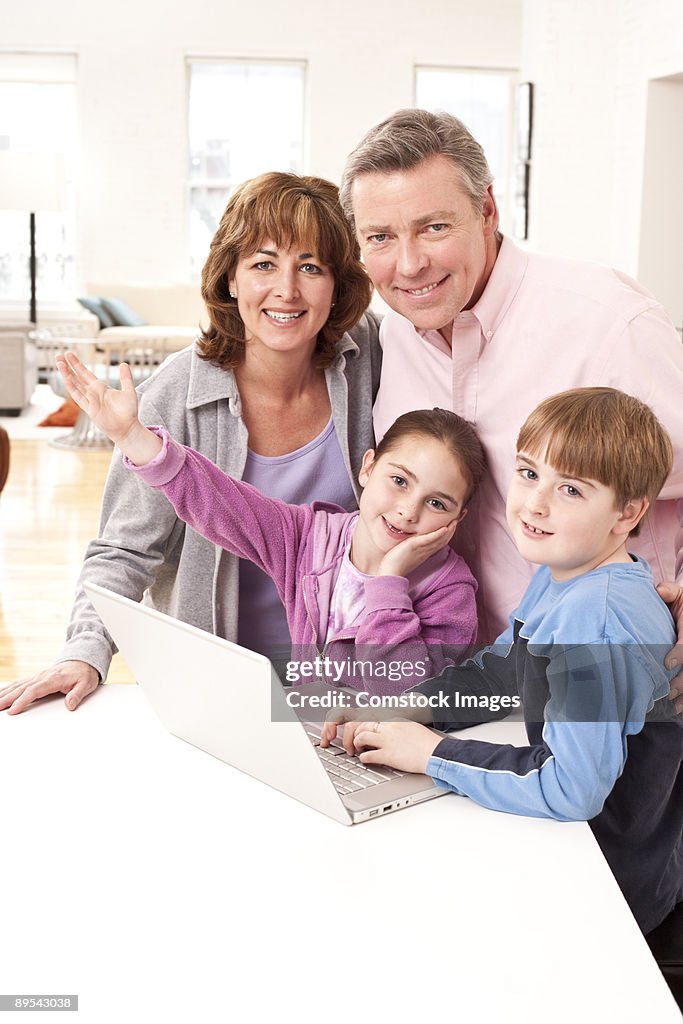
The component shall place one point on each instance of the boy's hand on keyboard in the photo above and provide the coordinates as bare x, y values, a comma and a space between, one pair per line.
405, 746
340, 716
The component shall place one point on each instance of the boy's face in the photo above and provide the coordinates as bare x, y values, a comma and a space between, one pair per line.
572, 525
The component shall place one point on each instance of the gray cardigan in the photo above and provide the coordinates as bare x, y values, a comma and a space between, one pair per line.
144, 549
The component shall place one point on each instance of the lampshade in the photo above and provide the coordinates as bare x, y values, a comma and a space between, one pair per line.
32, 181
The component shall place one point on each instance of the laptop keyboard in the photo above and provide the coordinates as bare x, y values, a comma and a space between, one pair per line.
348, 774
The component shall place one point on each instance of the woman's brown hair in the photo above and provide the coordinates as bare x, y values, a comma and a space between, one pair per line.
287, 210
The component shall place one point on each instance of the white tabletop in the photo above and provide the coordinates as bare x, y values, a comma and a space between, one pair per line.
159, 884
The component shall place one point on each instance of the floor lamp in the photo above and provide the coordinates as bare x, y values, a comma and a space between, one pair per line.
32, 182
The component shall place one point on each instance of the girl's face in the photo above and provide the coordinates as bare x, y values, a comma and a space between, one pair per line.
284, 296
414, 488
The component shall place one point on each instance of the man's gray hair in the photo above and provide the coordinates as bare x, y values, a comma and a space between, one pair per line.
405, 139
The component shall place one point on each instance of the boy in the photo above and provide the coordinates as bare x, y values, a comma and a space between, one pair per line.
583, 650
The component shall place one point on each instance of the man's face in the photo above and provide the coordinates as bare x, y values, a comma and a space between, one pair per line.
427, 249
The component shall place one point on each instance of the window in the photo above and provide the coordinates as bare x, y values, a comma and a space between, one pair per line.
244, 119
484, 101
38, 114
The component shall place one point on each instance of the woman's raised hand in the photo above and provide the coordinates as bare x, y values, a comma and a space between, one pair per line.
114, 412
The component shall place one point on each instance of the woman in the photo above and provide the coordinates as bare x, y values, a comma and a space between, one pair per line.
278, 391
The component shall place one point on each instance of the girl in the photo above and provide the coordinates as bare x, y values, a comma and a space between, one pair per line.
373, 587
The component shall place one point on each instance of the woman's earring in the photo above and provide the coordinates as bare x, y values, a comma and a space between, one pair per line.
232, 295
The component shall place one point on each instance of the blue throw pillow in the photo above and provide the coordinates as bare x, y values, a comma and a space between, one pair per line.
95, 306
122, 314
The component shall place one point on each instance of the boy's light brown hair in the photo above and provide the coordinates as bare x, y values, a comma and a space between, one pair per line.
605, 435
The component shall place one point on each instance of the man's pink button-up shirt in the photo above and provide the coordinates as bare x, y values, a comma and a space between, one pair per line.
542, 325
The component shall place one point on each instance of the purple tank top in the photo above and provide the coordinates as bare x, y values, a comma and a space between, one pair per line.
315, 472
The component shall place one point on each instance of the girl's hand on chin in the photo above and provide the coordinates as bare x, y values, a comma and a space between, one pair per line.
413, 551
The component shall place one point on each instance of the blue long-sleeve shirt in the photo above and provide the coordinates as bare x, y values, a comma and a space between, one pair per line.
586, 658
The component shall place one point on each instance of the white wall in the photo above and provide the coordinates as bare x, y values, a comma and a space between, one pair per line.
132, 93
592, 62
660, 263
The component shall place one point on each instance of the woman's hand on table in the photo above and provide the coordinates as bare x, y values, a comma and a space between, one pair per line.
75, 679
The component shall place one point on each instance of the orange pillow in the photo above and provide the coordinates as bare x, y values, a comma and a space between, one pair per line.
65, 416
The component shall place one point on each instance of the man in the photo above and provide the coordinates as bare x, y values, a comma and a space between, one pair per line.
489, 331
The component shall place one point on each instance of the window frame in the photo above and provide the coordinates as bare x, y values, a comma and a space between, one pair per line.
190, 184
51, 67
506, 210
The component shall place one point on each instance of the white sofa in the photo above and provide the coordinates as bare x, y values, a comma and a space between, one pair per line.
175, 305
174, 315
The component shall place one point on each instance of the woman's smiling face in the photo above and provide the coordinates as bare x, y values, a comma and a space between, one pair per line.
284, 296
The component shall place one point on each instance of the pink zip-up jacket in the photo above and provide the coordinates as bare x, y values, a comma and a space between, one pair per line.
424, 622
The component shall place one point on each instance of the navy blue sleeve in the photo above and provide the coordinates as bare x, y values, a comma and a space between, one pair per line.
482, 689
570, 772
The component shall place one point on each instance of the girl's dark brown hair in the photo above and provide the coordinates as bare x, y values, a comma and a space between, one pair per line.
287, 210
459, 437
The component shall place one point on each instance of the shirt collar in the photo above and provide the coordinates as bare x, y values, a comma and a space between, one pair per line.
209, 383
502, 286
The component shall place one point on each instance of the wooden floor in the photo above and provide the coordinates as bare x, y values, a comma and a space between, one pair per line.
48, 513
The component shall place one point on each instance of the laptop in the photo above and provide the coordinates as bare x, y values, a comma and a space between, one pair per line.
229, 702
